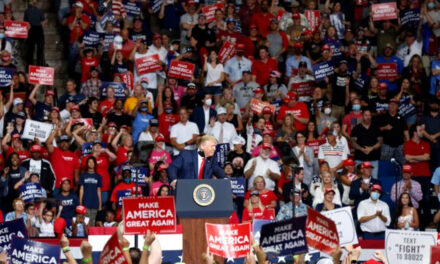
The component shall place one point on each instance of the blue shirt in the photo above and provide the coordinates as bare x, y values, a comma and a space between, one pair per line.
435, 79
291, 62
69, 203
140, 123
287, 213
90, 183
234, 68
392, 86
41, 109
11, 216
436, 177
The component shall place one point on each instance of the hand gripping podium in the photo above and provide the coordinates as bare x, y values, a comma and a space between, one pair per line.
199, 202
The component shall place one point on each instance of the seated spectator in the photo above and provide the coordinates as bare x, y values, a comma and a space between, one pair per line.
33, 220
18, 205
262, 166
373, 215
299, 175
159, 178
348, 175
159, 153
319, 190
164, 190
256, 210
407, 185
125, 184
286, 211
406, 216
327, 205
267, 197
80, 223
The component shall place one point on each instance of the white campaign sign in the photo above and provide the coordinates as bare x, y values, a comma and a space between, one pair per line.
409, 247
344, 224
34, 129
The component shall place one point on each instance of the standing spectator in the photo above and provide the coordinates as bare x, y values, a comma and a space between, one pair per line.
91, 87
90, 184
298, 110
406, 217
412, 46
352, 119
432, 131
125, 184
262, 19
246, 13
77, 23
278, 42
293, 61
332, 152
36, 20
187, 21
262, 67
339, 86
223, 131
142, 118
214, 76
360, 187
305, 156
235, 66
262, 166
407, 185
256, 210
91, 111
366, 139
244, 90
184, 134
389, 57
68, 200
42, 108
394, 133
41, 167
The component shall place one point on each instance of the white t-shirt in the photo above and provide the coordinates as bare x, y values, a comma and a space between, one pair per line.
261, 170
213, 74
2, 121
182, 133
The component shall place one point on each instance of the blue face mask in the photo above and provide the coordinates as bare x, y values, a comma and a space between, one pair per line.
144, 85
143, 109
168, 110
356, 107
127, 180
2, 35
375, 196
431, 5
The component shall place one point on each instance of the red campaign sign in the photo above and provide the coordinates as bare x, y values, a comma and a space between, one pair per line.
112, 252
16, 29
153, 213
321, 233
226, 52
229, 241
435, 255
313, 16
148, 64
386, 71
41, 75
128, 79
181, 70
88, 122
303, 88
384, 11
258, 105
209, 11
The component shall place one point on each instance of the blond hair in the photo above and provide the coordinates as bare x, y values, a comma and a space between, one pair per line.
203, 139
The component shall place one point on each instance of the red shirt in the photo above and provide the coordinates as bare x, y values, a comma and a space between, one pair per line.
265, 198
105, 106
262, 21
121, 155
351, 120
114, 197
298, 110
64, 164
102, 169
127, 46
226, 35
165, 123
86, 64
267, 214
420, 168
77, 31
262, 70
22, 154
314, 144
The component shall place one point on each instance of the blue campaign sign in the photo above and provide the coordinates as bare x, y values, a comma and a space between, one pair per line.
132, 8
8, 230
141, 174
337, 21
108, 39
6, 76
108, 16
118, 86
237, 186
322, 70
336, 48
28, 251
155, 5
87, 148
410, 17
222, 153
256, 227
91, 38
284, 238
122, 194
31, 191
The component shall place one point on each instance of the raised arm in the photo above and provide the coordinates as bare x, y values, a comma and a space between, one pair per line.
33, 93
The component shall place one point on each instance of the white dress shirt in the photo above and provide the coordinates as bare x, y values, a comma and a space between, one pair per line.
229, 132
368, 207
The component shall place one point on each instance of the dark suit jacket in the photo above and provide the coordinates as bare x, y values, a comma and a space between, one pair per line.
185, 166
355, 193
198, 117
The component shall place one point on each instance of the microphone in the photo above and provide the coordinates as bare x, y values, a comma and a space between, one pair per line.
395, 162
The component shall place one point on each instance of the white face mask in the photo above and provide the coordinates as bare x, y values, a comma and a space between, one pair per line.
327, 111
208, 102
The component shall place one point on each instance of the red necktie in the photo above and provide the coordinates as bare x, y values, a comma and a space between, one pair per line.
202, 166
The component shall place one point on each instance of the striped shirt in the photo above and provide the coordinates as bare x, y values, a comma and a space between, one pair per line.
333, 155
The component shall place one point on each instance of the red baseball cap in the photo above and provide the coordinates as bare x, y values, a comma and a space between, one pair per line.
296, 16
383, 85
49, 92
239, 46
366, 164
81, 209
267, 110
162, 167
35, 148
376, 187
16, 136
327, 190
349, 162
54, 108
325, 47
159, 138
75, 107
267, 132
258, 90
298, 45
157, 36
290, 96
124, 126
112, 124
65, 179
266, 145
407, 168
307, 32
253, 26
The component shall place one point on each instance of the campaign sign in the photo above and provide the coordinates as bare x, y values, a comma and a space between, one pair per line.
228, 241
16, 29
221, 152
132, 8
258, 105
209, 11
226, 52
108, 39
112, 252
386, 71
149, 63
344, 224
152, 213
34, 129
337, 21
6, 76
181, 70
313, 17
409, 247
31, 191
336, 48
322, 70
321, 232
435, 255
284, 238
410, 16
28, 251
303, 88
121, 195
127, 78
237, 186
156, 5
256, 227
87, 148
138, 175
91, 38
384, 11
119, 88
41, 75
8, 230
108, 16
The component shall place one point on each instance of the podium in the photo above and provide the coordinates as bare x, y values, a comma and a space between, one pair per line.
199, 202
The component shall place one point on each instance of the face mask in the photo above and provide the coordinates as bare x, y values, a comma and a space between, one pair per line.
431, 5
127, 180
356, 107
168, 110
2, 35
375, 196
144, 85
143, 109
327, 111
208, 102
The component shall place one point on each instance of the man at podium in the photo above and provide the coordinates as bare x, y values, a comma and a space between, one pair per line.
200, 163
